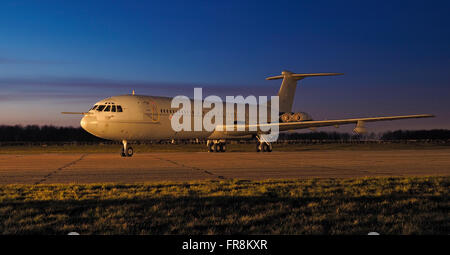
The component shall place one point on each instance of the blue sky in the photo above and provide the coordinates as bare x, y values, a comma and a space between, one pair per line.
66, 55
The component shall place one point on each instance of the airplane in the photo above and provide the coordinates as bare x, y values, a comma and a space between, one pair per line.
133, 117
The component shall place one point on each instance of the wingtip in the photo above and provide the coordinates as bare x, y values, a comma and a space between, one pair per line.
426, 115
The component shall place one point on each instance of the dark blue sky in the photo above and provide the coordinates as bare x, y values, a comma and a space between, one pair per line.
64, 56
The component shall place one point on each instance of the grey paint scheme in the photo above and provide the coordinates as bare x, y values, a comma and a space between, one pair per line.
142, 118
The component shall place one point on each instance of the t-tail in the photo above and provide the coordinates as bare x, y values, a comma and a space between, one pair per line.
289, 84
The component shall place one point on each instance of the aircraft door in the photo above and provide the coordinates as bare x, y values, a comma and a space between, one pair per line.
152, 111
155, 112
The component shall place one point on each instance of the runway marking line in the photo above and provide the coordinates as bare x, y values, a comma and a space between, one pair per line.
192, 167
46, 177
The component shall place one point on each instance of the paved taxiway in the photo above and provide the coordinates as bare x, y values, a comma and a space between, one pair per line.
184, 166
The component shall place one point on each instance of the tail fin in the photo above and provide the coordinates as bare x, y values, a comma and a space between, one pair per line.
288, 86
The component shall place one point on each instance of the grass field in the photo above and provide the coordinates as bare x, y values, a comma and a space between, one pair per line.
115, 148
316, 206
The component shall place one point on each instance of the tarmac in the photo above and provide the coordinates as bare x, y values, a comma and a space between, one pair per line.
187, 166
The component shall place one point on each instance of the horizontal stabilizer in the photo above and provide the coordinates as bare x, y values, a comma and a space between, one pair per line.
299, 76
289, 84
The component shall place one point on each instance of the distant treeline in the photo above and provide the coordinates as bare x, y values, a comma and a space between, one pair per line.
34, 133
321, 136
435, 134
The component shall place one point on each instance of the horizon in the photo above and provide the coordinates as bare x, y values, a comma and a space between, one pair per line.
299, 131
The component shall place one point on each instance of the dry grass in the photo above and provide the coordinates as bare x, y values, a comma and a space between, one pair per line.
316, 206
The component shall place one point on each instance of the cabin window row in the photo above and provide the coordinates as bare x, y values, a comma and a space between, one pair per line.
174, 111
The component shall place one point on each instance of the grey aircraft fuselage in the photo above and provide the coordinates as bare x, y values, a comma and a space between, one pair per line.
149, 118
136, 117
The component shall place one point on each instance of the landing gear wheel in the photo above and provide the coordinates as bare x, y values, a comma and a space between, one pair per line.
130, 151
258, 147
269, 147
123, 153
216, 146
223, 147
265, 147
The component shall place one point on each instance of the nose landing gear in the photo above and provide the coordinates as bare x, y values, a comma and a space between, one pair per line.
127, 151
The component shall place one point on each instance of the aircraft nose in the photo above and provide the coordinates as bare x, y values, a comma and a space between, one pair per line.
83, 123
88, 123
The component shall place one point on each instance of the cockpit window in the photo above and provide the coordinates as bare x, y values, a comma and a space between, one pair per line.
100, 108
119, 108
108, 108
113, 108
93, 108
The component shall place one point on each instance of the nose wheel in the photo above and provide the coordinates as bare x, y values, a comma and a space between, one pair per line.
127, 151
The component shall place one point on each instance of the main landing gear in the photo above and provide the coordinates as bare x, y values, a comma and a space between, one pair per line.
262, 145
127, 151
216, 145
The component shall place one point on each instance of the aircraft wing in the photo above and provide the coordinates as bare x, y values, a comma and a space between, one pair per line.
324, 123
284, 126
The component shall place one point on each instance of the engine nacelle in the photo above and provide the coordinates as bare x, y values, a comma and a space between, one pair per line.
295, 117
285, 117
